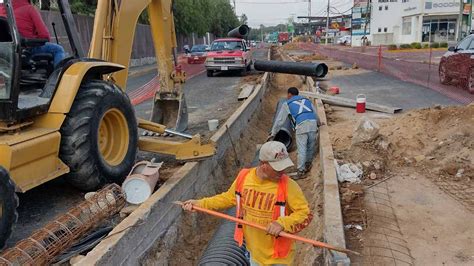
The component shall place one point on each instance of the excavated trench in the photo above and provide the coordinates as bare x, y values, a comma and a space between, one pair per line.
186, 241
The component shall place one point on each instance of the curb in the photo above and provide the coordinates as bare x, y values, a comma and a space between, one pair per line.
153, 224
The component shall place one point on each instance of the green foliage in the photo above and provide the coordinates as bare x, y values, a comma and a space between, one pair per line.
426, 45
405, 46
201, 16
415, 45
256, 34
443, 45
435, 45
392, 47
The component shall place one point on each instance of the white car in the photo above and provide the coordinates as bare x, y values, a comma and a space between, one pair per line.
344, 40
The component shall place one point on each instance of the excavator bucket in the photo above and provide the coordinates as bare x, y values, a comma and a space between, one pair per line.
171, 110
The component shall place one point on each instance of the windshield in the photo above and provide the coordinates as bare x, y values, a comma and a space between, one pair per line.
226, 45
6, 59
198, 48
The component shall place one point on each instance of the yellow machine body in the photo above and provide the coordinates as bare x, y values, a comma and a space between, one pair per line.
30, 151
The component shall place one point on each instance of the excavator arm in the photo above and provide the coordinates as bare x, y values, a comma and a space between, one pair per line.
112, 40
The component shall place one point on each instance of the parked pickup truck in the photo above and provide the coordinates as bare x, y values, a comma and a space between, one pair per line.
228, 54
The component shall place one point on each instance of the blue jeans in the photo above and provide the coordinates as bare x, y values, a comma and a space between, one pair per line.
305, 145
50, 48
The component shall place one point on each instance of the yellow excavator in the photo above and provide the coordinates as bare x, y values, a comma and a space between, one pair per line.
75, 119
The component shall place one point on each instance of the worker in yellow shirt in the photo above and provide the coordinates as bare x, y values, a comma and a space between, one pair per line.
264, 195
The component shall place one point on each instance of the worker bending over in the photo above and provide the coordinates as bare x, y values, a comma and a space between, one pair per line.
31, 26
266, 196
305, 122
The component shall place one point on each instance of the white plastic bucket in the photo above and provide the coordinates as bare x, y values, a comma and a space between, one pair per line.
213, 124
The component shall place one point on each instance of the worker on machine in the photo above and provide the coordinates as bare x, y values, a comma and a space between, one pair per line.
31, 26
264, 195
306, 122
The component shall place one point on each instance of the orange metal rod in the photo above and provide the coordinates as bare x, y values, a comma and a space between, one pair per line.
282, 234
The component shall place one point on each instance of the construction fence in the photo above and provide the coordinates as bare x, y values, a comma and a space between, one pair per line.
419, 67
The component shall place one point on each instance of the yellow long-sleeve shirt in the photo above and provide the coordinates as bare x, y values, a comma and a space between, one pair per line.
259, 197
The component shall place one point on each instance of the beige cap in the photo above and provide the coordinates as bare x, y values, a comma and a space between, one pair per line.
275, 154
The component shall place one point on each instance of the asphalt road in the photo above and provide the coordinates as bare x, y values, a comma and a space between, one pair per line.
207, 98
384, 89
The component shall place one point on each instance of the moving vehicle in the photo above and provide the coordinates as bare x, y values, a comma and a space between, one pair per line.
76, 119
344, 40
227, 54
198, 54
283, 37
458, 63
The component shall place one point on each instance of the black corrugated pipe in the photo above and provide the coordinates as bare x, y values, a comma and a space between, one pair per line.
318, 70
222, 248
239, 32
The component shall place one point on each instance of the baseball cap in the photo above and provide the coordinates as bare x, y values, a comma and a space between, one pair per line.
275, 154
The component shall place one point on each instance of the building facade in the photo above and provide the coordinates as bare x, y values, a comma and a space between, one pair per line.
407, 21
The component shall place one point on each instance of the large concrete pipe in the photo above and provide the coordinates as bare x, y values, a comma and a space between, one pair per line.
318, 70
239, 32
222, 249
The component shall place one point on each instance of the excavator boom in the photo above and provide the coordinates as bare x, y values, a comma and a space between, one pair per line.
112, 40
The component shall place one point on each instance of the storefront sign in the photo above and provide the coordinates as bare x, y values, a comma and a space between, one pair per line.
360, 18
442, 6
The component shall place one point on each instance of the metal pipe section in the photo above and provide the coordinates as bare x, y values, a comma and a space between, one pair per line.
239, 32
222, 248
318, 70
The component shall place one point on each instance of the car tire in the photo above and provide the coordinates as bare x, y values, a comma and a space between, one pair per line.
8, 206
210, 73
99, 136
243, 72
470, 81
443, 76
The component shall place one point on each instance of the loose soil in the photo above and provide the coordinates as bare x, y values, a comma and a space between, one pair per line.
417, 206
190, 245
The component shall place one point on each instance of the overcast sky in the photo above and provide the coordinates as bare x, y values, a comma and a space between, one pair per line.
273, 12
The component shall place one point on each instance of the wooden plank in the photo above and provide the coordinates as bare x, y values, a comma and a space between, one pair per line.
341, 101
245, 92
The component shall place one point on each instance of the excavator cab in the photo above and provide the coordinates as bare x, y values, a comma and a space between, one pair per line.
27, 81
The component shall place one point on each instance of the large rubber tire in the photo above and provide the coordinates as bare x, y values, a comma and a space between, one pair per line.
8, 205
470, 81
99, 136
443, 76
210, 73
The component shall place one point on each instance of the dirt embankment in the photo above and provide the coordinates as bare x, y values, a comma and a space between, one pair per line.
419, 167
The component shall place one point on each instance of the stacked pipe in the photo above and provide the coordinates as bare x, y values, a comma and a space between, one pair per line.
57, 236
222, 249
318, 70
239, 32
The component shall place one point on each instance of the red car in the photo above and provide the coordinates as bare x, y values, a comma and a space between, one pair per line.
198, 54
458, 63
228, 54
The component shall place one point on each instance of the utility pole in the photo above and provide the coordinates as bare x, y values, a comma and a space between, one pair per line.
235, 10
309, 11
327, 24
461, 10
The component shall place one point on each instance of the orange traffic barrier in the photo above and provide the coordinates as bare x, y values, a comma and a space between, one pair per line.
282, 234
